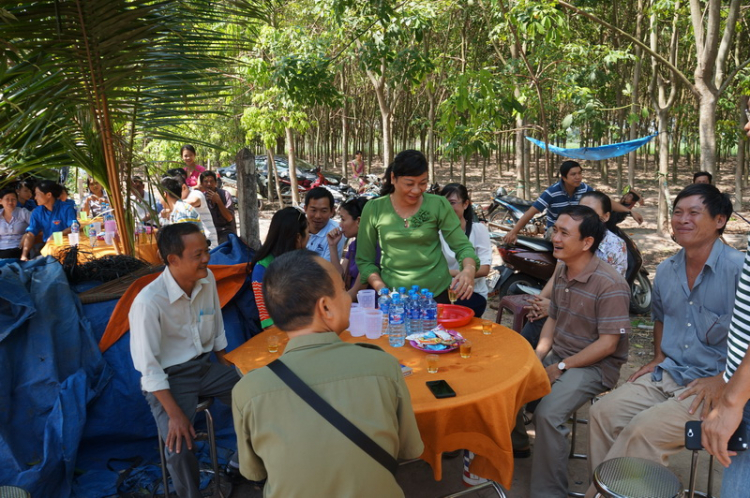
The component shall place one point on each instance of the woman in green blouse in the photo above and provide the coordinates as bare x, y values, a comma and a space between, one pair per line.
405, 221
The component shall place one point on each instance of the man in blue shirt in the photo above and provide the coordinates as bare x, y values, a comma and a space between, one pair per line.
319, 208
562, 194
51, 215
692, 308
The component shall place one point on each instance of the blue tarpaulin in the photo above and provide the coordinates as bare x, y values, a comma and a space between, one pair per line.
51, 368
596, 153
64, 406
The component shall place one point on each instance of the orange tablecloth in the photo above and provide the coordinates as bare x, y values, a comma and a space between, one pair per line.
147, 252
491, 386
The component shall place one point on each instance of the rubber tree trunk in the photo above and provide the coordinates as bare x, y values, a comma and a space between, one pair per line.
247, 198
292, 157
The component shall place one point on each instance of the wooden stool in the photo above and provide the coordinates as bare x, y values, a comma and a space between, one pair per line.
630, 477
515, 304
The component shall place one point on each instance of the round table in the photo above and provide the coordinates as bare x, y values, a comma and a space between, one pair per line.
501, 375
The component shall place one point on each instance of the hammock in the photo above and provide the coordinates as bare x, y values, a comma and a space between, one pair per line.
596, 153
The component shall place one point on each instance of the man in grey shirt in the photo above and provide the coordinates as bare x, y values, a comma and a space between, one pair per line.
692, 307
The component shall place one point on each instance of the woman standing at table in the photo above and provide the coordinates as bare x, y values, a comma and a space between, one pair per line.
13, 223
405, 221
93, 203
194, 170
458, 197
51, 215
288, 232
25, 192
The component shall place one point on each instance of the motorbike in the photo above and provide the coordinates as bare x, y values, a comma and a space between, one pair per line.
529, 264
506, 210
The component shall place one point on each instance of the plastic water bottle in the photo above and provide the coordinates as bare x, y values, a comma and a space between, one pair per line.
75, 227
92, 236
397, 335
402, 292
429, 313
414, 314
384, 303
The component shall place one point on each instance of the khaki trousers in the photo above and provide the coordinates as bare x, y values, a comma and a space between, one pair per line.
640, 419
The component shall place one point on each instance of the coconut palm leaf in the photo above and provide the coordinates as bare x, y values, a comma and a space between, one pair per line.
84, 81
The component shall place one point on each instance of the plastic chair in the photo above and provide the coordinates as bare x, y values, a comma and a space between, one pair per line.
630, 477
515, 304
203, 406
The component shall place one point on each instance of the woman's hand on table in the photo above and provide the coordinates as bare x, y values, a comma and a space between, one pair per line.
463, 283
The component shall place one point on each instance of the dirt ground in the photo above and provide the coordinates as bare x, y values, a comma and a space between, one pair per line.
416, 478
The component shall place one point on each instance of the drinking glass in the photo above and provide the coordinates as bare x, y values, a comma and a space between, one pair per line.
487, 327
57, 237
273, 343
465, 349
432, 363
452, 295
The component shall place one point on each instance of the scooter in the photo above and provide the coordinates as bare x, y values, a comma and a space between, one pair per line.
529, 264
506, 210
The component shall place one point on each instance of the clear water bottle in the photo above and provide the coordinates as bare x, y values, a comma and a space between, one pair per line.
92, 236
75, 227
402, 292
406, 300
415, 289
414, 314
397, 335
384, 303
429, 313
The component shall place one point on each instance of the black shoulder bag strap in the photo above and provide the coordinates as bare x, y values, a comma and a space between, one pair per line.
334, 417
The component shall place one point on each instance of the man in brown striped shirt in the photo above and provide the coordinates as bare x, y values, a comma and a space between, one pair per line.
583, 344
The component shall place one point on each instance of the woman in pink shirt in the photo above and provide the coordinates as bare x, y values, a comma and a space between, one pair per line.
193, 170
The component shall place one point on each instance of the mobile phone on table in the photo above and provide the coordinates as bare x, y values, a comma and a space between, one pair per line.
738, 441
441, 389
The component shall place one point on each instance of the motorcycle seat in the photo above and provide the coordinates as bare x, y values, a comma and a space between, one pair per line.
534, 243
517, 201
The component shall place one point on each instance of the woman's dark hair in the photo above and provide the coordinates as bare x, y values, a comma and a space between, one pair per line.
50, 187
173, 185
286, 225
606, 203
176, 172
7, 191
187, 147
355, 206
407, 163
28, 183
463, 196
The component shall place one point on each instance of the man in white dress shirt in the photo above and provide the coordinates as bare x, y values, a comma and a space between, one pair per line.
175, 324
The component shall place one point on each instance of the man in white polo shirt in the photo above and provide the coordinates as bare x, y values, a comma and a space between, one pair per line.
175, 324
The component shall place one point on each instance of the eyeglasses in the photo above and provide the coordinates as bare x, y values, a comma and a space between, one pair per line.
300, 212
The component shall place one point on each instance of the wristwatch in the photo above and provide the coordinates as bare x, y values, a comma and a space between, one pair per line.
561, 366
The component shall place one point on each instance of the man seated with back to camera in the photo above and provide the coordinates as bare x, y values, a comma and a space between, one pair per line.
692, 307
282, 438
583, 343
